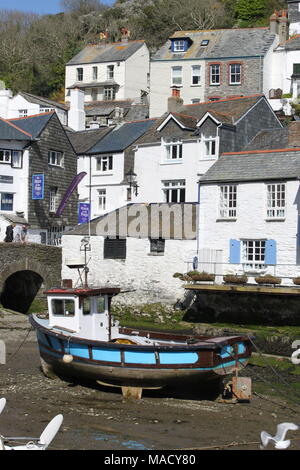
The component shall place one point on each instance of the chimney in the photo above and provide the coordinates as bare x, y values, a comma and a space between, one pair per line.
125, 35
274, 23
76, 114
5, 97
283, 27
175, 101
294, 134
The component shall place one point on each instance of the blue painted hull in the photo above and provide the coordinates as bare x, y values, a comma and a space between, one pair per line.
135, 365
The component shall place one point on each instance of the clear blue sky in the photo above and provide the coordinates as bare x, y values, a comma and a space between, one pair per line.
37, 6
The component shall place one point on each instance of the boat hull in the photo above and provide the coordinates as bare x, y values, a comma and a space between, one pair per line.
132, 365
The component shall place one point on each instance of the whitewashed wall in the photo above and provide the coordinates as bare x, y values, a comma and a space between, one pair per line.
137, 69
150, 276
250, 223
161, 85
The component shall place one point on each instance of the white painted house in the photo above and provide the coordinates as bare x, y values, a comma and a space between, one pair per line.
249, 212
138, 248
109, 71
25, 104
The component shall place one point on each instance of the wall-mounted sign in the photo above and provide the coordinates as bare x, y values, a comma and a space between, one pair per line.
83, 213
6, 179
38, 186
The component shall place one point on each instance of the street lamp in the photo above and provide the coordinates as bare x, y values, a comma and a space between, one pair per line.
85, 246
131, 180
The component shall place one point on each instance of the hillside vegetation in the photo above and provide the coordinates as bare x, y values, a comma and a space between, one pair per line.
35, 48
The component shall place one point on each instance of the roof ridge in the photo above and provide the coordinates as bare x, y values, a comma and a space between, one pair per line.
226, 99
16, 127
217, 29
292, 149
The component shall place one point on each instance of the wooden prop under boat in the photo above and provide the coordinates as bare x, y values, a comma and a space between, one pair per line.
81, 340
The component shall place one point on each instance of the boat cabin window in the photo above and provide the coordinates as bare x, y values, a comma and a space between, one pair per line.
63, 307
100, 304
86, 306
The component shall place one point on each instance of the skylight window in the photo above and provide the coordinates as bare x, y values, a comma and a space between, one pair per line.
205, 42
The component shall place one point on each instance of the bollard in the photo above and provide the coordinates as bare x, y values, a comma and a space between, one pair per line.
2, 352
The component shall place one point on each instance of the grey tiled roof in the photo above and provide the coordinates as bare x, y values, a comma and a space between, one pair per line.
181, 227
82, 141
43, 101
93, 84
106, 52
269, 139
105, 108
292, 44
256, 166
222, 43
33, 124
122, 137
11, 132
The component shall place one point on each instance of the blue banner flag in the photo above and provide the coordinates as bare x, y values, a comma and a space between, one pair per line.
83, 212
38, 186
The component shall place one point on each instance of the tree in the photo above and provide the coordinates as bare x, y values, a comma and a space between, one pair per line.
81, 7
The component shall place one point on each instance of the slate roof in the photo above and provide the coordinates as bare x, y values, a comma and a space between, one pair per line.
269, 139
179, 227
292, 44
257, 165
82, 141
114, 52
105, 108
93, 84
33, 125
121, 137
42, 101
8, 131
222, 43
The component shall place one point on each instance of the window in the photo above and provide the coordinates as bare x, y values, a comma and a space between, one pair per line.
114, 248
296, 69
196, 70
176, 77
86, 306
195, 100
215, 74
100, 304
157, 245
55, 158
253, 253
102, 199
104, 163
174, 190
45, 110
235, 74
63, 307
179, 45
276, 200
110, 72
54, 234
173, 149
53, 199
13, 157
94, 95
23, 113
209, 147
205, 42
109, 93
228, 201
5, 156
79, 72
6, 201
95, 73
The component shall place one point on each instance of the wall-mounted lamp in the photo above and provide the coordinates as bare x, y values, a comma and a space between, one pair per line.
131, 180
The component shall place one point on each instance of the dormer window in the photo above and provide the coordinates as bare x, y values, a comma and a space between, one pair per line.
179, 46
205, 42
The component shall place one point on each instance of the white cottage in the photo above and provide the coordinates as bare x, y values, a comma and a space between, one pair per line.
249, 213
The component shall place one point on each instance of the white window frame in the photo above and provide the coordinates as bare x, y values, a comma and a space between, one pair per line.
228, 201
213, 74
55, 158
23, 113
79, 74
276, 200
173, 150
104, 163
253, 254
11, 157
209, 148
110, 72
179, 45
176, 75
174, 188
195, 74
53, 198
2, 201
5, 156
95, 72
237, 75
101, 200
109, 94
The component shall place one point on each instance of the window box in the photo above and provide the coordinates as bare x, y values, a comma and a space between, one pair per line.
296, 281
268, 279
201, 276
235, 279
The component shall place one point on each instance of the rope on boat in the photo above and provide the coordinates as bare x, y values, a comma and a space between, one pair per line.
20, 345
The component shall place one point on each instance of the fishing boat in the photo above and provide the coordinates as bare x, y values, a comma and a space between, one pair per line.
81, 340
31, 443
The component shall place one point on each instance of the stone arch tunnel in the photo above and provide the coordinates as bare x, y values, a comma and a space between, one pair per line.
25, 271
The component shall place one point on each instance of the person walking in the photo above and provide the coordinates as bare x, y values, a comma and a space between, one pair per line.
17, 233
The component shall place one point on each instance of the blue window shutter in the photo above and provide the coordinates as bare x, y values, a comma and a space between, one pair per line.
235, 251
271, 252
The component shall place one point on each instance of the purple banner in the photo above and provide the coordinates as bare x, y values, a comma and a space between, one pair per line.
71, 188
83, 212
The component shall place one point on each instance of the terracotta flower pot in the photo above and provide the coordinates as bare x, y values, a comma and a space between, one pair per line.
235, 279
268, 280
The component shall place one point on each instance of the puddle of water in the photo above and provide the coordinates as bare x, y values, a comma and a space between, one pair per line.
132, 445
